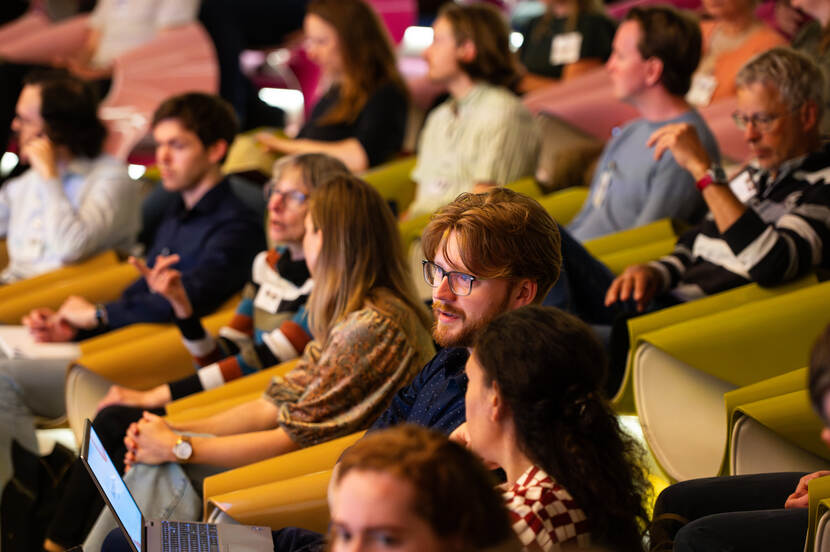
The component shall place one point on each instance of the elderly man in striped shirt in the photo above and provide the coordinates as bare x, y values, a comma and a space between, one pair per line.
771, 222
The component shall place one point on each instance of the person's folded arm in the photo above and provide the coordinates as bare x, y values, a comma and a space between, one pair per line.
107, 204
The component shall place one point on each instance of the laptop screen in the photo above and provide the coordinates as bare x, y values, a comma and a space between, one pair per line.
114, 487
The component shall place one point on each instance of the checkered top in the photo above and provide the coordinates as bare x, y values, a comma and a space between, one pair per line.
543, 513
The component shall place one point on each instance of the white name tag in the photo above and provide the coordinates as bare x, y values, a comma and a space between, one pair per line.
565, 48
268, 298
703, 87
602, 188
743, 187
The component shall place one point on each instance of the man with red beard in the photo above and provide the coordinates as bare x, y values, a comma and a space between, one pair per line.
485, 254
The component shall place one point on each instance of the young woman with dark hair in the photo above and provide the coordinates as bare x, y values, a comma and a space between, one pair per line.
535, 408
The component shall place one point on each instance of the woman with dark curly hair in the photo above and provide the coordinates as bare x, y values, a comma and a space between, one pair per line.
534, 408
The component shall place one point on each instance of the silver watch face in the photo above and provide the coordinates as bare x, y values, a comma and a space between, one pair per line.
182, 450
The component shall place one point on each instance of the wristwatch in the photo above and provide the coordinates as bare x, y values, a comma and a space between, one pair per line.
715, 175
183, 449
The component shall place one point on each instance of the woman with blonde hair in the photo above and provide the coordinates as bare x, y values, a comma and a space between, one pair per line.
361, 116
371, 336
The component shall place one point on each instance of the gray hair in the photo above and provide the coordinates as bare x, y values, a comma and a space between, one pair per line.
316, 168
797, 78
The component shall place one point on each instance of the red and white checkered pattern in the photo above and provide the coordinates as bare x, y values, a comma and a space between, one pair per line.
543, 513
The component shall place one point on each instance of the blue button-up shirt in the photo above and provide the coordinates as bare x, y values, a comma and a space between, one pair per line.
435, 398
217, 240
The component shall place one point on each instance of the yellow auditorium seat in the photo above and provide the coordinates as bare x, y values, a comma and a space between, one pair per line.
267, 490
297, 502
83, 268
392, 181
564, 205
619, 241
103, 285
623, 401
818, 532
619, 260
772, 428
681, 373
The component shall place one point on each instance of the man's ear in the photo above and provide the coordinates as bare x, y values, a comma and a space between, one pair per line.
524, 292
217, 151
808, 115
466, 51
654, 71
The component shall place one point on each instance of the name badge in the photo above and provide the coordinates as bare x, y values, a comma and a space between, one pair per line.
743, 187
602, 188
565, 48
268, 298
703, 87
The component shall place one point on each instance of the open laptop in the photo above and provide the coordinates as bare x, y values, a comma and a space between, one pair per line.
155, 535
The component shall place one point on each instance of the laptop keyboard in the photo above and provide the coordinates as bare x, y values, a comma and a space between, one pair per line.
187, 536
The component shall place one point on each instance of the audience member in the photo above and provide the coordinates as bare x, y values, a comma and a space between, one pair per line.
371, 335
485, 254
269, 326
361, 118
730, 38
417, 481
74, 201
656, 50
769, 223
814, 41
215, 236
115, 27
535, 408
747, 512
482, 136
570, 38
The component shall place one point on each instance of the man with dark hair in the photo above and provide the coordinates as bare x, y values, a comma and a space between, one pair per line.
655, 52
215, 236
74, 201
482, 135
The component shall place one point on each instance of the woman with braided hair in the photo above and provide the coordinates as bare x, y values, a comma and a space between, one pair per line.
535, 408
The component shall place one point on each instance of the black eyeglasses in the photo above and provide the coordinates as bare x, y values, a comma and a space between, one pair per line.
460, 283
292, 198
761, 121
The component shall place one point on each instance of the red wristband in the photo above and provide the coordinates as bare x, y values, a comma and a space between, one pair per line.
704, 182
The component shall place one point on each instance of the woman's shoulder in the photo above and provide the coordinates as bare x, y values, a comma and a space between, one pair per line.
537, 495
383, 313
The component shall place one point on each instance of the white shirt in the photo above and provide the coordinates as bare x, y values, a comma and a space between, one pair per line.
487, 136
93, 206
127, 24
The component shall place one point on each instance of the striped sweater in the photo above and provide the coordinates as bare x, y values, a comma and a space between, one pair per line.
269, 326
783, 234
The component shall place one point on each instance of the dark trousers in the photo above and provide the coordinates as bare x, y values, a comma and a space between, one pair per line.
81, 503
735, 514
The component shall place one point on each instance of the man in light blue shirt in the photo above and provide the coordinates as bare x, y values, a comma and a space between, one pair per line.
74, 201
655, 52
